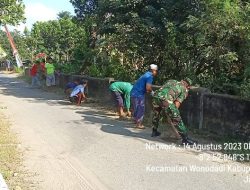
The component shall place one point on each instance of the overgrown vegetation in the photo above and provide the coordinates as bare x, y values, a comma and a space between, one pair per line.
206, 40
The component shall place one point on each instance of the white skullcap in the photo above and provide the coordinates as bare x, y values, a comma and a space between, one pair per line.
153, 67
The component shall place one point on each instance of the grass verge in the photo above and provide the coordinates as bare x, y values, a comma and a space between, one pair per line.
10, 157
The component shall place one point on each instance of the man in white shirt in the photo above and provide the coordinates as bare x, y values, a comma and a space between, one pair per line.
78, 95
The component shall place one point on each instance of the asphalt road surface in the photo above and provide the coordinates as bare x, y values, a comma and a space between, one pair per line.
70, 147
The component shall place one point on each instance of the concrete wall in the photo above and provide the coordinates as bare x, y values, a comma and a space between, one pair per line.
226, 115
192, 108
220, 114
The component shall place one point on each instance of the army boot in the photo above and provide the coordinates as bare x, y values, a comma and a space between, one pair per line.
155, 133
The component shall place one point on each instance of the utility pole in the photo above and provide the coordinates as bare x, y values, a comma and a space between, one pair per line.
13, 46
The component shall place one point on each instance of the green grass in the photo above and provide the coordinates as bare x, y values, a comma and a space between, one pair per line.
18, 70
10, 157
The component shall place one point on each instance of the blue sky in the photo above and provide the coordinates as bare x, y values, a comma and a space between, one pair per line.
43, 10
54, 4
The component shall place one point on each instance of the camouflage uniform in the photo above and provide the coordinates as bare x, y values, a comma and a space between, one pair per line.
163, 104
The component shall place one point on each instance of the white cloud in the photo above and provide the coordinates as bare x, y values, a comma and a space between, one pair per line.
36, 12
19, 27
39, 12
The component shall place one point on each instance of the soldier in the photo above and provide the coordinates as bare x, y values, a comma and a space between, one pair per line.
166, 103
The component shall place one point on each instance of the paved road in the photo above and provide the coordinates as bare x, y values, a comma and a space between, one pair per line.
71, 147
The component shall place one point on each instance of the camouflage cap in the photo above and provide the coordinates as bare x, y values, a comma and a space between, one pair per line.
188, 80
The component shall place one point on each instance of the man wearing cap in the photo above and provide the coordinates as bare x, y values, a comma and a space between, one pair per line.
142, 86
166, 103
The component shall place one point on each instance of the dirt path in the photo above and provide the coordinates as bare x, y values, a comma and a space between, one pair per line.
70, 147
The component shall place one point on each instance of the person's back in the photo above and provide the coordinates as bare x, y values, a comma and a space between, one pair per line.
78, 95
78, 89
50, 68
34, 70
142, 86
70, 85
139, 88
171, 91
34, 75
122, 87
121, 95
166, 103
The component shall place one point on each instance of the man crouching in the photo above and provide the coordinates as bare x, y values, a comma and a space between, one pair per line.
166, 103
78, 95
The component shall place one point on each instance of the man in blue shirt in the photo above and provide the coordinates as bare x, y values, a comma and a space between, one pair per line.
142, 86
70, 87
77, 95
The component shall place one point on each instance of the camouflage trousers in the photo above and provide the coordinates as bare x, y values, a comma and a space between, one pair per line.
162, 110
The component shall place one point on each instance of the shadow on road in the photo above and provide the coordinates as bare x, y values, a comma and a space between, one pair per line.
115, 126
11, 86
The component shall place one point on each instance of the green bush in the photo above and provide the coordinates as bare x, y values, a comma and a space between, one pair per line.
245, 89
69, 68
94, 71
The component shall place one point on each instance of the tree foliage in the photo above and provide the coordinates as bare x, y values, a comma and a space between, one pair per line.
84, 8
58, 38
207, 40
11, 11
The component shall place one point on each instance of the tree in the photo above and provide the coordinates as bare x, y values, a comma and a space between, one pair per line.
84, 8
11, 11
58, 38
65, 15
136, 30
5, 43
207, 40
